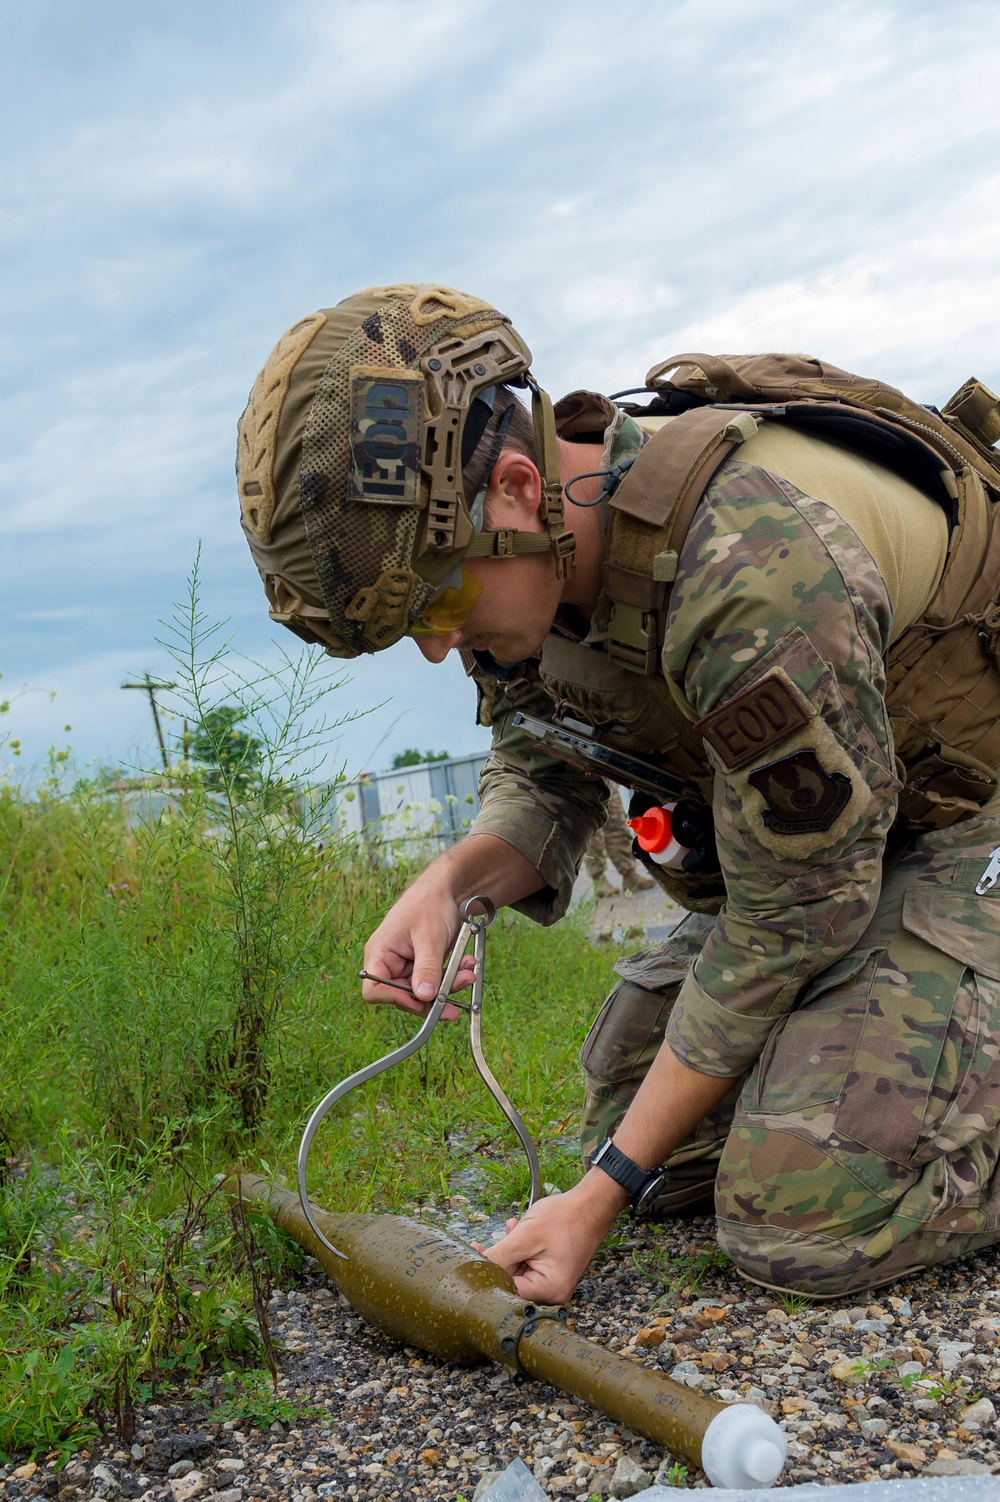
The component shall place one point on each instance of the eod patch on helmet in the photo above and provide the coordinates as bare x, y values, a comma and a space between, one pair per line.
387, 409
350, 463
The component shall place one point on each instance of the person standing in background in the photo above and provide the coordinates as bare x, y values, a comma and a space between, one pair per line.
613, 842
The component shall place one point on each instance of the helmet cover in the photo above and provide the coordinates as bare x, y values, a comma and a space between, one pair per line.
350, 456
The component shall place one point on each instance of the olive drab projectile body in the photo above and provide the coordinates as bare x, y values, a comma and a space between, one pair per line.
429, 1289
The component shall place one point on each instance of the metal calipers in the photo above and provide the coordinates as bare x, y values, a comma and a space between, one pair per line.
473, 926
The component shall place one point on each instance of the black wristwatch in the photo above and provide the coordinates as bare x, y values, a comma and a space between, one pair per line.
642, 1184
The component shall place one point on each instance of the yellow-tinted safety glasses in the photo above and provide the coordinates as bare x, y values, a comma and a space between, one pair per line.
450, 609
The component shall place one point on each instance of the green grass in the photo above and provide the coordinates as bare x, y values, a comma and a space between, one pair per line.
794, 1304
249, 1397
681, 1274
177, 995
118, 1113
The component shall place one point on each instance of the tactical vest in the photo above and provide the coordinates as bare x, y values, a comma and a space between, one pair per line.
943, 673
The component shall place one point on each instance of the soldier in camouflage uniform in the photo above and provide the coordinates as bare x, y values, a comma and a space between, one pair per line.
831, 1013
614, 842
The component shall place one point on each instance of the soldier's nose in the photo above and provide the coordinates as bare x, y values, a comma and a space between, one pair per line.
436, 648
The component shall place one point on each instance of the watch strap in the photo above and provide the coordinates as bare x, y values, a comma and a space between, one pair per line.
636, 1181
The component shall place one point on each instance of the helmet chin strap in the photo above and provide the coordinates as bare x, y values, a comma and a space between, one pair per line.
507, 542
562, 543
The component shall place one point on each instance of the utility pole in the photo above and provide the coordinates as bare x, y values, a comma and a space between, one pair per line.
151, 688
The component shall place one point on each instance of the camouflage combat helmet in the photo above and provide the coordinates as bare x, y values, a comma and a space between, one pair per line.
350, 457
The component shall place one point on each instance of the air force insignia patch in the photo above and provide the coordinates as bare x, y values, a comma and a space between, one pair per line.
799, 796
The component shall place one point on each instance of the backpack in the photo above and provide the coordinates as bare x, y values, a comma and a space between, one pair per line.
943, 674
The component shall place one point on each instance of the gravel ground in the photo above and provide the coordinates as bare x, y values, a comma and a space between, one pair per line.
650, 916
904, 1383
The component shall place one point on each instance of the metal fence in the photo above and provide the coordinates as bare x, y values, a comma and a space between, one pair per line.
413, 812
431, 805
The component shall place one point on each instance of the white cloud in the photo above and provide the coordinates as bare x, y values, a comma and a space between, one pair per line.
185, 181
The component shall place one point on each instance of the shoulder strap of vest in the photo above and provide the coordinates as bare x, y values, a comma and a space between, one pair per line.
656, 501
667, 470
661, 492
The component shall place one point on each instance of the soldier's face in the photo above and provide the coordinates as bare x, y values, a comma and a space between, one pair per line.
515, 611
512, 616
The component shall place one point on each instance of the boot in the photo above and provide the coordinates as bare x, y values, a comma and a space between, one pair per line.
637, 881
603, 888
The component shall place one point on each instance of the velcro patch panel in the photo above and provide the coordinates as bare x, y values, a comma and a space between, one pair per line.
747, 726
386, 415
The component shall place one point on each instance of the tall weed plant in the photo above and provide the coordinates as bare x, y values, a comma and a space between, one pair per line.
268, 826
166, 925
180, 963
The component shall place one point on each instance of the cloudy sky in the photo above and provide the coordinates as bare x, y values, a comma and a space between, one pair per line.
183, 181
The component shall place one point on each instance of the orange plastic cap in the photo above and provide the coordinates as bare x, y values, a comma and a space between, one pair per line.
653, 829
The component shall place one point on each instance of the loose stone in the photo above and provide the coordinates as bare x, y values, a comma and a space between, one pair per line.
629, 1478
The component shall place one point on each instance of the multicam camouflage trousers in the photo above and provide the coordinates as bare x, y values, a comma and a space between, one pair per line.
613, 841
864, 1142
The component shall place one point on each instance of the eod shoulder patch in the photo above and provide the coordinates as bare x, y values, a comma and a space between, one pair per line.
747, 726
799, 788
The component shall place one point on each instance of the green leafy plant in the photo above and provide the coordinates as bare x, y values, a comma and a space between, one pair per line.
682, 1274
940, 1388
250, 1397
46, 1395
109, 1290
414, 758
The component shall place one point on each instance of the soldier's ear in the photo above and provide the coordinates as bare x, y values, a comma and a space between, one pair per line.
514, 494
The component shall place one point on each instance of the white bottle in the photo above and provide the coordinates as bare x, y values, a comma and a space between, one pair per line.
654, 832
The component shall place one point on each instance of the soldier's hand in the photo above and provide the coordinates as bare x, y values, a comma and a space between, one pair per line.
410, 945
548, 1250
416, 935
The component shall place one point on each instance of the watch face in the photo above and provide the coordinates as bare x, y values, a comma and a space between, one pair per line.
644, 1202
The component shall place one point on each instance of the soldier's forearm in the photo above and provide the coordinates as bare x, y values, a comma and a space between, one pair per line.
484, 864
669, 1104
671, 1101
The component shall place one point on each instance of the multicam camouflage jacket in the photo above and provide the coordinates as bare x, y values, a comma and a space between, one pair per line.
771, 585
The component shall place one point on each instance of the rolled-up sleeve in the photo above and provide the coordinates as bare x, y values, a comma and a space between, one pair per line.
545, 809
